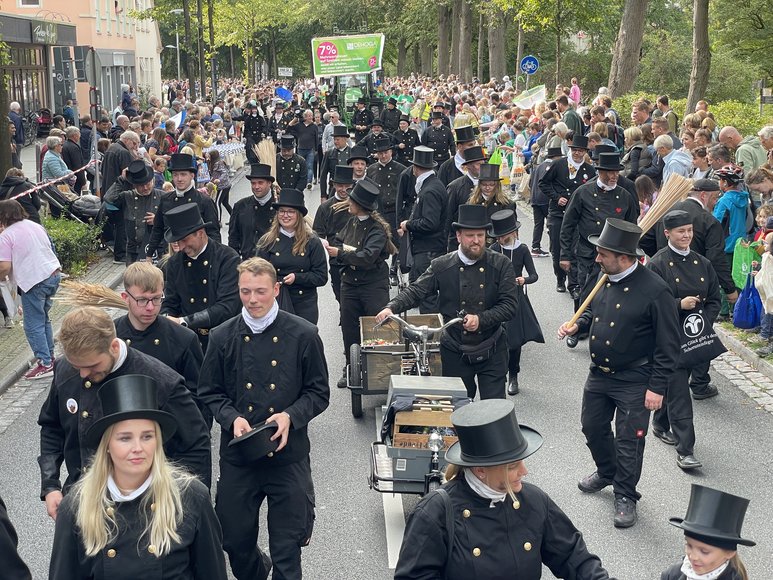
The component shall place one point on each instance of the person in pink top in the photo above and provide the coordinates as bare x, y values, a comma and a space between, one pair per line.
574, 92
27, 256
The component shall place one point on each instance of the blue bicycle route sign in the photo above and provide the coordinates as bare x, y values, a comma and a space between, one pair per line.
529, 64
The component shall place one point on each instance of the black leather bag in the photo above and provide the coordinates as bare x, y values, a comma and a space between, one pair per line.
478, 353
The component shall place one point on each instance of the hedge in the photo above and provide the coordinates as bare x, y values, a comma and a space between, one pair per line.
75, 243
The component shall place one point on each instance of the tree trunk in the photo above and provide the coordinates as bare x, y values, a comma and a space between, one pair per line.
481, 45
427, 56
519, 55
559, 33
272, 55
415, 58
212, 51
465, 41
5, 148
402, 55
625, 58
497, 46
443, 22
456, 12
701, 54
233, 66
186, 51
202, 62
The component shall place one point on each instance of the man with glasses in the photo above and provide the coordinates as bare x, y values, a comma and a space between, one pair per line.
143, 329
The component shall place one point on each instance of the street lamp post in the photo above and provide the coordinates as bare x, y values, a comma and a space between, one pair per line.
177, 46
177, 12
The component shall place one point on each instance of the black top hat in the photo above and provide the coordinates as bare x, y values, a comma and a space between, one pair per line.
705, 185
464, 134
503, 222
359, 152
438, 104
405, 118
365, 194
474, 153
182, 221
619, 236
361, 101
340, 131
182, 162
604, 148
287, 142
257, 443
260, 171
676, 218
139, 172
472, 217
609, 162
424, 157
579, 142
382, 143
291, 198
489, 172
376, 123
129, 397
489, 434
714, 517
392, 101
437, 114
343, 174
279, 105
554, 152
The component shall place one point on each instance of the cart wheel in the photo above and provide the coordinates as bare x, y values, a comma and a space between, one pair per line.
356, 405
355, 379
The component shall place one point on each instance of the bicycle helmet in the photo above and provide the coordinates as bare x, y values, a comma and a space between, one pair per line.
730, 173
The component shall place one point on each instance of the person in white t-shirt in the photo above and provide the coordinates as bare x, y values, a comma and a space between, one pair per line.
27, 256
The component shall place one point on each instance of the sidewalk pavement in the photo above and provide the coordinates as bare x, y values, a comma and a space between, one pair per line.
16, 354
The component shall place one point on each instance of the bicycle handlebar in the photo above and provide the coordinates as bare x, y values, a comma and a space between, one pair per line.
420, 329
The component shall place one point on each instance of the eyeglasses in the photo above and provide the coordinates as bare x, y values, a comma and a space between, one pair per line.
285, 211
143, 302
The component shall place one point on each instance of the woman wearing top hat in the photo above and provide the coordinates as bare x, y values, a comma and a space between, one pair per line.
489, 193
712, 532
486, 522
297, 254
362, 249
524, 326
133, 514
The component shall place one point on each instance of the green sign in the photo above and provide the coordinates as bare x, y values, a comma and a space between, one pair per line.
342, 55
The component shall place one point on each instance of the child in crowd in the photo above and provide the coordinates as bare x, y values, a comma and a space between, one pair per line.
763, 281
764, 213
167, 186
159, 172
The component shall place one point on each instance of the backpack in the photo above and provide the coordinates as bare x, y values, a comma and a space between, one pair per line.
617, 136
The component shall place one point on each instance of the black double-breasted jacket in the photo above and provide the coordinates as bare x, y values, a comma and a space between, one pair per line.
327, 168
391, 119
249, 221
362, 118
134, 208
441, 139
72, 406
386, 176
370, 140
362, 252
448, 171
486, 288
501, 541
557, 183
282, 369
426, 225
170, 200
291, 173
409, 138
309, 266
205, 290
13, 565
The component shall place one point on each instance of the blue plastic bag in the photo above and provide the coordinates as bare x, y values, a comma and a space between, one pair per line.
747, 313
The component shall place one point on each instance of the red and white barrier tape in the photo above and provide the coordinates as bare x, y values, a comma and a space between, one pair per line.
53, 181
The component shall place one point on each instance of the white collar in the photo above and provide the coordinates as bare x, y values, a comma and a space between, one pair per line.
288, 233
463, 258
204, 249
696, 200
258, 325
573, 164
678, 251
515, 246
265, 199
474, 180
421, 179
458, 160
119, 497
123, 352
362, 218
482, 489
338, 197
603, 186
691, 574
619, 276
179, 193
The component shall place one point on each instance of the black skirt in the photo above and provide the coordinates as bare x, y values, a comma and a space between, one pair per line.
524, 327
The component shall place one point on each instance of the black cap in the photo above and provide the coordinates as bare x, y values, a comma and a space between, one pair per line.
705, 185
676, 218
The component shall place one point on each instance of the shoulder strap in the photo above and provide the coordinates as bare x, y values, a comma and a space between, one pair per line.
449, 520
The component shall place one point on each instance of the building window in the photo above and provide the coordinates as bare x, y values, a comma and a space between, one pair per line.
29, 3
97, 15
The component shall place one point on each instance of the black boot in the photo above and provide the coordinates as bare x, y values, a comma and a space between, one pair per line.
343, 382
512, 386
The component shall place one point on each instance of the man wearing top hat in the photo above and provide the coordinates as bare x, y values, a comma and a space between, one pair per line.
425, 227
279, 122
254, 128
338, 155
622, 180
253, 215
201, 289
134, 195
183, 168
390, 116
265, 378
479, 282
559, 183
359, 158
439, 138
460, 189
405, 139
290, 167
377, 134
452, 168
634, 344
361, 119
93, 355
585, 215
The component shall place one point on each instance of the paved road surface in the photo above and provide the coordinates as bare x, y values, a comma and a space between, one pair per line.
349, 542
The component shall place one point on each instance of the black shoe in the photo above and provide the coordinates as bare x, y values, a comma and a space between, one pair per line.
665, 436
393, 281
593, 483
705, 393
343, 382
512, 386
625, 512
561, 288
571, 341
576, 294
687, 462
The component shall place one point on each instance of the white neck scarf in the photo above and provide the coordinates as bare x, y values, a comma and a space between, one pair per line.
678, 251
265, 199
514, 245
691, 574
603, 185
624, 273
421, 179
463, 258
123, 352
482, 489
288, 233
179, 193
572, 163
258, 325
362, 218
119, 497
458, 160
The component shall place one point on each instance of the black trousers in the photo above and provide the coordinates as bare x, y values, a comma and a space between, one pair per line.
306, 306
617, 456
240, 495
421, 261
116, 227
700, 377
676, 413
335, 281
554, 235
490, 373
356, 301
514, 360
540, 215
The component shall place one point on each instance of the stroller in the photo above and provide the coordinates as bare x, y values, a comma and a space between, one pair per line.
86, 209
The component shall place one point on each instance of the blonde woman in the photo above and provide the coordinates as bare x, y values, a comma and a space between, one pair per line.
133, 514
489, 191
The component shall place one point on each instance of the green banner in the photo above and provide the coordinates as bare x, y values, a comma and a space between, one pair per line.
341, 55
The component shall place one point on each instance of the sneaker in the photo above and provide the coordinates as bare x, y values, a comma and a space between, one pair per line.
625, 512
705, 393
766, 350
122, 262
593, 483
8, 323
40, 371
539, 253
